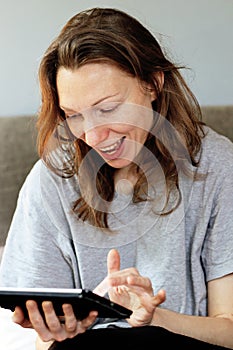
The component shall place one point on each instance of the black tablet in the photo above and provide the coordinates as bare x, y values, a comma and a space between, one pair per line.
82, 300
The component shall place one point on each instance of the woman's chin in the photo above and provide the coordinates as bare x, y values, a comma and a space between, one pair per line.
118, 163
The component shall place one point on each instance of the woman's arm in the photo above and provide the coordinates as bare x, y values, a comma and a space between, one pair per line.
217, 328
134, 291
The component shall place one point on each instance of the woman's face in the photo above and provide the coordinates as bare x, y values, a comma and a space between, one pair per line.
106, 108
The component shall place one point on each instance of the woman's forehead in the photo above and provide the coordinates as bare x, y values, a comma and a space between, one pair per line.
92, 84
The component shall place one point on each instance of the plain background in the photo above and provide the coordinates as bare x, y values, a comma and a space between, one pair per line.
198, 34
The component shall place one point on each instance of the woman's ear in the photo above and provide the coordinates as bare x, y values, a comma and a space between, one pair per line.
159, 81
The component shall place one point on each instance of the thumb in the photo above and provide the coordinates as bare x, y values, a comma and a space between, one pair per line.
159, 298
113, 261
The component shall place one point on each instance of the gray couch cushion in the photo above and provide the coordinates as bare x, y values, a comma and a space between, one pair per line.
17, 155
220, 118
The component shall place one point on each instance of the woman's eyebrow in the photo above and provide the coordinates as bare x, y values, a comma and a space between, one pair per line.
104, 98
69, 110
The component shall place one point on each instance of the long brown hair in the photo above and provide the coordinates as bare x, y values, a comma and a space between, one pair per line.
112, 36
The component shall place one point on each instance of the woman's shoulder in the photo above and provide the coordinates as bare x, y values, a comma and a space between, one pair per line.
42, 171
216, 149
43, 179
38, 171
212, 136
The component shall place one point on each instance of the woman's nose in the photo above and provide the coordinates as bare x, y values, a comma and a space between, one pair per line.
95, 135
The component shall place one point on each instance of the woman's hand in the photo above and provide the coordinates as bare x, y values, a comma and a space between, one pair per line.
41, 345
52, 327
128, 288
18, 317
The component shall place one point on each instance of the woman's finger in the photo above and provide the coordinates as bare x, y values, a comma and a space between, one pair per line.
19, 317
37, 321
159, 298
113, 261
70, 320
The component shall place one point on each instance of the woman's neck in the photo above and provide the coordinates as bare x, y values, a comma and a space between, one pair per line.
125, 180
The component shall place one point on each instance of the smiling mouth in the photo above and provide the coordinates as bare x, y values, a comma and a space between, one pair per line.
113, 148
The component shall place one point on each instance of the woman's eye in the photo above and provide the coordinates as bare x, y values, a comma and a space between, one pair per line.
109, 109
106, 110
73, 116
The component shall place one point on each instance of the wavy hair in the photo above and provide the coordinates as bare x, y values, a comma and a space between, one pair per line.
111, 36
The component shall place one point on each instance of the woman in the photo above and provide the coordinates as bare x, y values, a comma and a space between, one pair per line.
132, 197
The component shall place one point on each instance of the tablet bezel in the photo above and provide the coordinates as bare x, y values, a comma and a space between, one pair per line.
82, 300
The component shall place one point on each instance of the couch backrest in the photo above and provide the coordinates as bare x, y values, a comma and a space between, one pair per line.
220, 118
17, 155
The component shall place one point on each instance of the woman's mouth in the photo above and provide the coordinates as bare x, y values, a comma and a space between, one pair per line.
114, 150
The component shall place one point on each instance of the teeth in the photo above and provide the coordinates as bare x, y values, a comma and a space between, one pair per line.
112, 148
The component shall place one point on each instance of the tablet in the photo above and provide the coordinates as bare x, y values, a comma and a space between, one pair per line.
82, 300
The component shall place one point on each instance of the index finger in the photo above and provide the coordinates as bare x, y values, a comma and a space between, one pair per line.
113, 261
113, 265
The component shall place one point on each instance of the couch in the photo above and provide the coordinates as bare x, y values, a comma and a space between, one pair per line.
18, 154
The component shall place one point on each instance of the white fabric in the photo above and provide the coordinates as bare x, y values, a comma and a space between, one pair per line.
13, 336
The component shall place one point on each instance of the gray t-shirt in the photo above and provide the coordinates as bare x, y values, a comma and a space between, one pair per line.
47, 246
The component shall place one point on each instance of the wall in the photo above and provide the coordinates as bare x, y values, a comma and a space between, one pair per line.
195, 33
